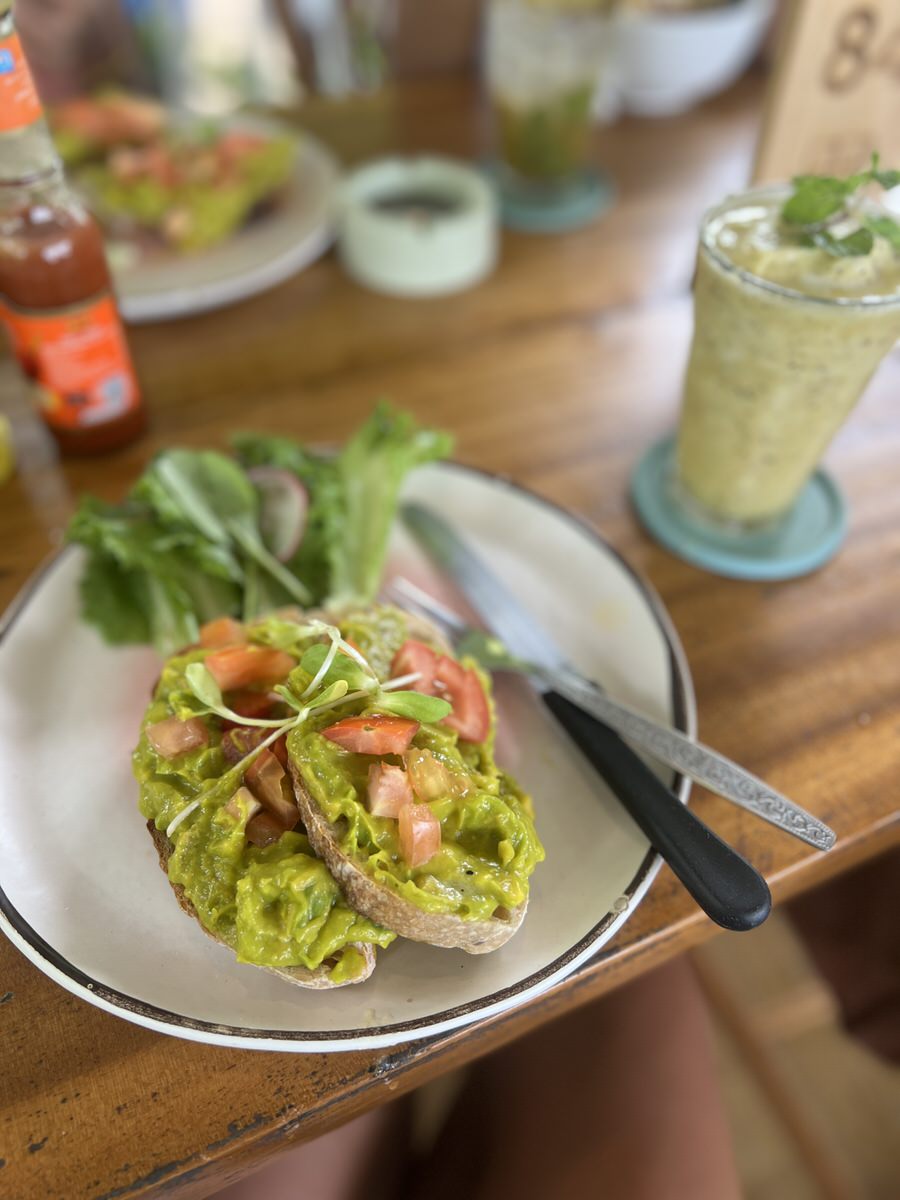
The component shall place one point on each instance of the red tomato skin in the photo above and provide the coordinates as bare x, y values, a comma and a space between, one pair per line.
416, 657
262, 829
240, 666
420, 834
450, 676
266, 779
471, 716
389, 790
377, 734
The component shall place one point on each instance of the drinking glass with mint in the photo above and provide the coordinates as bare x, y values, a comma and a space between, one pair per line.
796, 302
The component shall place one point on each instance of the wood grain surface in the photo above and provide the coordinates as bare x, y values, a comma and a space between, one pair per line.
558, 371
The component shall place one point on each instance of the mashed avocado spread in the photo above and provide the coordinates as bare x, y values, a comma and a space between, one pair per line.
278, 905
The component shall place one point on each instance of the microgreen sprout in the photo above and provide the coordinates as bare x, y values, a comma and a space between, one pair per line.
391, 696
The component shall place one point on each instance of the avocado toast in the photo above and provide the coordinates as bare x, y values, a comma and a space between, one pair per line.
422, 830
398, 822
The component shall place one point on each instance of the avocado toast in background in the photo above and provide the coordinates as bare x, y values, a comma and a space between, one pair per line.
420, 832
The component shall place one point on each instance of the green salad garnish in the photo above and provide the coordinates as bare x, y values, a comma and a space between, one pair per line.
194, 538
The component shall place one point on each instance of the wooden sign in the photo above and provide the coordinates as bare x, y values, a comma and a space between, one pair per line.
834, 96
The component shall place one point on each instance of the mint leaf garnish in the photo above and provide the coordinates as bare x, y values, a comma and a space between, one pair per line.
821, 201
854, 245
815, 199
885, 227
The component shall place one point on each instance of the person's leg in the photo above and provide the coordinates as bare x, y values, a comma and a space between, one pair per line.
619, 1099
851, 927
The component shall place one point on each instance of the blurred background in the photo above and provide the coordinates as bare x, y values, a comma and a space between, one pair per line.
212, 58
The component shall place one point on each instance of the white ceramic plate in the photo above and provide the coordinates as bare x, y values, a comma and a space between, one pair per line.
81, 893
297, 231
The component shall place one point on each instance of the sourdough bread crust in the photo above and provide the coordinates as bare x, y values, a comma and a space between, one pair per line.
301, 976
378, 903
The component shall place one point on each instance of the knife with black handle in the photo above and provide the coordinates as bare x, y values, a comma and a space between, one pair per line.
728, 889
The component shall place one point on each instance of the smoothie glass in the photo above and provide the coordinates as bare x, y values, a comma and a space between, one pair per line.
785, 341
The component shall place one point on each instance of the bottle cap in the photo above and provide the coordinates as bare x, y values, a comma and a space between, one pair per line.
417, 226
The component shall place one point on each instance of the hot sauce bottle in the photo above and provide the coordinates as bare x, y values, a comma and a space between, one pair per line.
56, 299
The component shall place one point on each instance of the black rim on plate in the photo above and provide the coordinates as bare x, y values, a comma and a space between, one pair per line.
682, 708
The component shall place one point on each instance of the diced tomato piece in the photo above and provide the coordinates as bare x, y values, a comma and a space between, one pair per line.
224, 631
159, 165
429, 777
240, 666
133, 117
420, 834
373, 735
266, 779
172, 737
243, 801
125, 164
279, 749
416, 658
81, 116
471, 716
111, 119
263, 829
240, 740
389, 790
450, 676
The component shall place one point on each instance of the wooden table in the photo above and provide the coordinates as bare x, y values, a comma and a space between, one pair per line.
559, 371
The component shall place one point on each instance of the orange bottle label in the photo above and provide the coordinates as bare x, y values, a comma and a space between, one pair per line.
19, 103
78, 362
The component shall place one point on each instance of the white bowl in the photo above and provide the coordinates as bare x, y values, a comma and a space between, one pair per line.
668, 62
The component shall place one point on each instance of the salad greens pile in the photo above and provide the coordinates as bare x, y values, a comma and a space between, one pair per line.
189, 543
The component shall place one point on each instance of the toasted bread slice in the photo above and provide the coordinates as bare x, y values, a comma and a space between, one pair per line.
301, 976
378, 902
383, 906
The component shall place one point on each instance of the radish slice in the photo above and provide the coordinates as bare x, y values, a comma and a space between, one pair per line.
283, 505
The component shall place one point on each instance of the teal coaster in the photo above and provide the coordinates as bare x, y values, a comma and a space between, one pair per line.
807, 538
541, 210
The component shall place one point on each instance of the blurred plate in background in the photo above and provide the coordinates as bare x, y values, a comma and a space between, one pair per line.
297, 230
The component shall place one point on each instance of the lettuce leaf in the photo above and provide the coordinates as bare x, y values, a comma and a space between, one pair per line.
144, 581
185, 547
372, 468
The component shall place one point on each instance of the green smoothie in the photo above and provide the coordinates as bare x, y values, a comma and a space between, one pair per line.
786, 337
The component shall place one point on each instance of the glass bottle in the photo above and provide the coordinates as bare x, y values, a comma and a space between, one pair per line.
56, 299
545, 61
